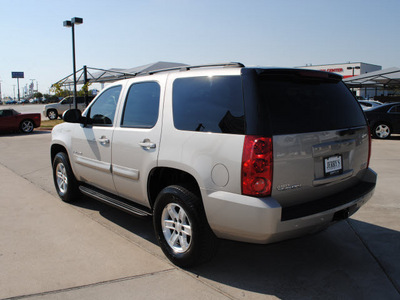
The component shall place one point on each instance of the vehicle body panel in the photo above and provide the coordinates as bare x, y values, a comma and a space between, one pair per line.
211, 158
135, 150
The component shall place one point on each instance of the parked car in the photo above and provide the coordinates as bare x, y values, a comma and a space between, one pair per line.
384, 120
55, 110
249, 154
368, 104
11, 102
11, 120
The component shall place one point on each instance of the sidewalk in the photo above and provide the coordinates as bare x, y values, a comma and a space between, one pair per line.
44, 249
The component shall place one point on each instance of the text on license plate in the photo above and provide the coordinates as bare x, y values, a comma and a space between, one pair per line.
333, 165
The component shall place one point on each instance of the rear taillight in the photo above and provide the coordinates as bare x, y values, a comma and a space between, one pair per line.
257, 162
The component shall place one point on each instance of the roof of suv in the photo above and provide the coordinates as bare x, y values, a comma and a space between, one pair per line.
260, 70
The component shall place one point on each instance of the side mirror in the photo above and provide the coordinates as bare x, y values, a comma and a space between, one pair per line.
72, 116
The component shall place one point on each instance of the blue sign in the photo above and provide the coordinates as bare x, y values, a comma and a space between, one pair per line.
17, 74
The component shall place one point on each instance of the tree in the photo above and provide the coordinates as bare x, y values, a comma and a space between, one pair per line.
57, 89
38, 95
84, 89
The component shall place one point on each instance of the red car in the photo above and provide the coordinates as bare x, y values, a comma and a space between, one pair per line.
11, 120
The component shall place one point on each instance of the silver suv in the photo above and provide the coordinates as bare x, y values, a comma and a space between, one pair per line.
55, 110
249, 154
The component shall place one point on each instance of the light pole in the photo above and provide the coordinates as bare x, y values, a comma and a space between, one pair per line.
353, 68
71, 24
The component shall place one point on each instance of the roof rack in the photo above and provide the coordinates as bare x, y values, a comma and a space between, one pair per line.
187, 68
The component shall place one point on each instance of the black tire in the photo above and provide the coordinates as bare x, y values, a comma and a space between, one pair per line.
381, 130
26, 126
52, 114
191, 240
64, 179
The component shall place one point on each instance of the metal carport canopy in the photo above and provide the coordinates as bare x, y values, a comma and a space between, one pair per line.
381, 78
96, 75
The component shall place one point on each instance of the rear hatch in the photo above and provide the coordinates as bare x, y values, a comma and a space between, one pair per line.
320, 135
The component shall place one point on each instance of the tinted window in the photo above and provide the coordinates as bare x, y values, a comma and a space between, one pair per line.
67, 101
102, 112
395, 109
302, 104
210, 104
141, 106
6, 113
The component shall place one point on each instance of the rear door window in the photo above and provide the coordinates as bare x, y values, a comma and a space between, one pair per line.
300, 104
142, 105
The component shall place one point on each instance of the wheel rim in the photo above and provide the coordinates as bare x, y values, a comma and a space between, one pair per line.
52, 115
382, 131
27, 126
176, 227
62, 178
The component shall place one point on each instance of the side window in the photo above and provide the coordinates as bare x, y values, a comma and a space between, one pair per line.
6, 113
67, 100
395, 109
209, 104
102, 112
141, 106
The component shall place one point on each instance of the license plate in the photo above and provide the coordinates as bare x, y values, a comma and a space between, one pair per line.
333, 165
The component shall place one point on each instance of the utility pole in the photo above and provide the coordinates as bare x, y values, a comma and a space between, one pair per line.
1, 98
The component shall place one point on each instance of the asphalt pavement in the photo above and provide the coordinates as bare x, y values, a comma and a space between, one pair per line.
87, 250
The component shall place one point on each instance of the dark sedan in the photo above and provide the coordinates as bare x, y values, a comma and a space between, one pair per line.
11, 120
384, 120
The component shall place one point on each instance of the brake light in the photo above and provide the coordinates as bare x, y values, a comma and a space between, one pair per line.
257, 163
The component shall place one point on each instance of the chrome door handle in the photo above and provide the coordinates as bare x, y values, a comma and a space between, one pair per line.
147, 144
104, 141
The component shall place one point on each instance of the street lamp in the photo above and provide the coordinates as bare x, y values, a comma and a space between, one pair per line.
353, 68
71, 24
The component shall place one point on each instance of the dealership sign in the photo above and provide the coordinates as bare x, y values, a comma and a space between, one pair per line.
336, 70
17, 74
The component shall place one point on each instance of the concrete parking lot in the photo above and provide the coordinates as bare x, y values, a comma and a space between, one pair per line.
53, 250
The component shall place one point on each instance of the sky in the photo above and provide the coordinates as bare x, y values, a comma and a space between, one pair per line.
131, 33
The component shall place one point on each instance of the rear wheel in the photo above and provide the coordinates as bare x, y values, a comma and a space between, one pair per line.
52, 114
26, 126
181, 227
381, 131
64, 180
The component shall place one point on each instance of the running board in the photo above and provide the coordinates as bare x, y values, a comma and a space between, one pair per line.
114, 201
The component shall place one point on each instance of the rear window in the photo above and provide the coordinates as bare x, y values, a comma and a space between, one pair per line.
301, 104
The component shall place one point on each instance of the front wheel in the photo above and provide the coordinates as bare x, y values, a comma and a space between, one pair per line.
381, 131
181, 227
64, 180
